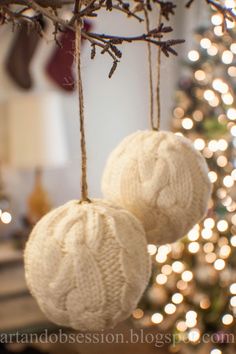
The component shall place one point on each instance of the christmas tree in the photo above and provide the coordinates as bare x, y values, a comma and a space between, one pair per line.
193, 291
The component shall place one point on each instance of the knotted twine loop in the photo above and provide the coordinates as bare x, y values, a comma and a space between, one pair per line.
84, 184
151, 89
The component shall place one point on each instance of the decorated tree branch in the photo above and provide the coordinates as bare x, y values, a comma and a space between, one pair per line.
29, 12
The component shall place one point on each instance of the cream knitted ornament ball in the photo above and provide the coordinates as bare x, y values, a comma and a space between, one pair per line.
162, 180
87, 264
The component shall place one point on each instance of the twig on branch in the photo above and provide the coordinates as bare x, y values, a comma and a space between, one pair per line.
167, 8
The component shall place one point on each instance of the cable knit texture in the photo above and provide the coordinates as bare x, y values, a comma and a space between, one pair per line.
162, 180
87, 264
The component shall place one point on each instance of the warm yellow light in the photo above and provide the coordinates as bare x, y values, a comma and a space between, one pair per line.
207, 153
209, 95
200, 75
187, 276
228, 181
208, 247
205, 43
194, 335
227, 57
220, 86
217, 19
165, 249
161, 279
177, 267
6, 217
219, 264
209, 223
215, 351
181, 326
222, 145
191, 322
221, 161
233, 174
212, 176
193, 247
210, 257
231, 113
206, 234
205, 303
193, 235
222, 225
233, 301
177, 298
166, 269
215, 102
182, 285
193, 55
213, 145
223, 241
233, 130
199, 144
152, 249
227, 98
170, 309
233, 219
227, 201
227, 319
138, 313
178, 112
157, 318
225, 251
198, 115
229, 24
191, 314
161, 257
233, 48
230, 3
218, 31
187, 123
232, 288
232, 206
232, 71
233, 240
213, 50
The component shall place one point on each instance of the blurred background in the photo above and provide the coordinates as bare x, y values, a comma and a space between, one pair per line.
193, 288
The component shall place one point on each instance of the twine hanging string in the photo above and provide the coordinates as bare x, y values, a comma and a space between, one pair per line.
158, 81
84, 184
151, 86
151, 91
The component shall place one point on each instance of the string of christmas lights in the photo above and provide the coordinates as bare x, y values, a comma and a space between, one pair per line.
193, 290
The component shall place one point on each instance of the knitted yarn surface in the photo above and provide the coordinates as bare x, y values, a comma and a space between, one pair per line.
87, 264
162, 180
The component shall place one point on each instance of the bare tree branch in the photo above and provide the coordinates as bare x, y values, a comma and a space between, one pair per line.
107, 43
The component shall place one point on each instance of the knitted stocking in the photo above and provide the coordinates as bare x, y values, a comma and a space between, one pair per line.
20, 55
60, 66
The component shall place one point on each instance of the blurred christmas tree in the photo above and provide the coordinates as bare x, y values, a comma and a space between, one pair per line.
193, 290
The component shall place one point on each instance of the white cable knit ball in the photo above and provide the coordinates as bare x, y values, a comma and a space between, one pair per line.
87, 264
162, 180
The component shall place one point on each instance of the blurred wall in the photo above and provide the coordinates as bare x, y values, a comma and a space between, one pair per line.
114, 107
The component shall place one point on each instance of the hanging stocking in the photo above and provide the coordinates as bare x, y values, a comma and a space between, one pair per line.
60, 66
21, 52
